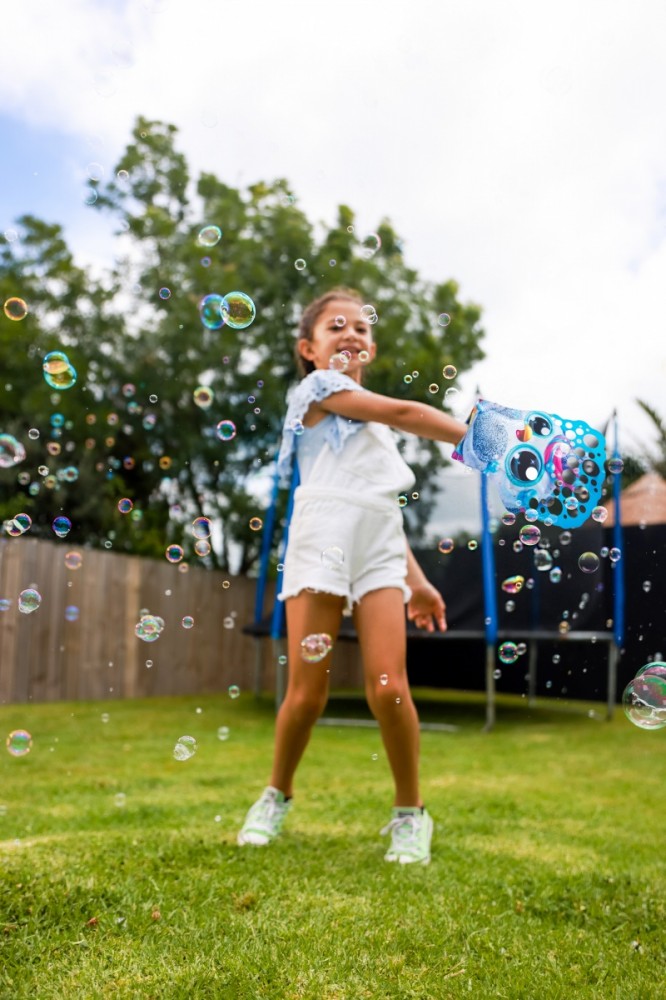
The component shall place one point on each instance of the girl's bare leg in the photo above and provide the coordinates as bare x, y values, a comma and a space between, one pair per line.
307, 685
380, 623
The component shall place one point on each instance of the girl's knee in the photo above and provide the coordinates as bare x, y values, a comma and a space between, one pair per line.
385, 694
306, 706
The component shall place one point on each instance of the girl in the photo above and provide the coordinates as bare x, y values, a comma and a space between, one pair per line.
347, 552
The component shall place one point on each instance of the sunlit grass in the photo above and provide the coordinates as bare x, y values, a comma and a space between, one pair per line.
547, 877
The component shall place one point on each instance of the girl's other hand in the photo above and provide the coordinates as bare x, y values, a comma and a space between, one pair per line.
426, 608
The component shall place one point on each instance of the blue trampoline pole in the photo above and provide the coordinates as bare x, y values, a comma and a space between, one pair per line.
489, 602
618, 581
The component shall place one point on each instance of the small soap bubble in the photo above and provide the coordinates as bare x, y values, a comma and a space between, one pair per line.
203, 397
529, 534
201, 527
363, 357
105, 717
368, 312
543, 560
209, 236
615, 555
443, 319
472, 545
233, 691
615, 466
300, 264
449, 371
339, 362
5, 604
508, 652
73, 560
59, 373
316, 646
11, 451
282, 659
403, 500
508, 518
71, 613
148, 628
513, 584
202, 547
120, 800
186, 747
223, 733
647, 586
61, 526
333, 556
555, 574
187, 621
599, 514
174, 553
588, 562
19, 743
33, 434
256, 524
383, 679
370, 245
445, 546
125, 505
15, 308
29, 600
210, 311
165, 293
226, 430
407, 379
497, 673
433, 388
238, 310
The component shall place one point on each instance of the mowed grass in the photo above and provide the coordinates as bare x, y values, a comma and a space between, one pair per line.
547, 878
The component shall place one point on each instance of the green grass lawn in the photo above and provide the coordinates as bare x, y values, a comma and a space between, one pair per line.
547, 878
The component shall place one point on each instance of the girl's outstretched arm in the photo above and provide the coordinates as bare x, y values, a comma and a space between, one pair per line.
404, 414
426, 607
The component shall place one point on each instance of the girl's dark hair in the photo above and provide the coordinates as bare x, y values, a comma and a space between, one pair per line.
309, 318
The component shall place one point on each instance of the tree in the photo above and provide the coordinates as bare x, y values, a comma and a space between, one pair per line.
136, 336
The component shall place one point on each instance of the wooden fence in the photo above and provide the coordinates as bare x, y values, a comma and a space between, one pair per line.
46, 656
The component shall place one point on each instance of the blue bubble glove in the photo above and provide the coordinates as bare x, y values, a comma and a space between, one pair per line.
540, 461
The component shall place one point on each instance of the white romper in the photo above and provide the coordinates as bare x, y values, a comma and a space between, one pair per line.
346, 534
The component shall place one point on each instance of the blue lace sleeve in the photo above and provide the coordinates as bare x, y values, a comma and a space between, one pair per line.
315, 387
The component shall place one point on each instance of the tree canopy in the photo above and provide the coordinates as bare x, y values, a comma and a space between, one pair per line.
130, 427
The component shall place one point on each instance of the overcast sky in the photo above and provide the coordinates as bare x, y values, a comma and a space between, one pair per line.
518, 147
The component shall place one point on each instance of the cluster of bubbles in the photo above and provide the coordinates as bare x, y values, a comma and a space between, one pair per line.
235, 310
19, 743
644, 698
186, 747
59, 372
17, 525
316, 646
149, 627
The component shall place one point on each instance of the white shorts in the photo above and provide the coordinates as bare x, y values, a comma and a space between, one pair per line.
344, 546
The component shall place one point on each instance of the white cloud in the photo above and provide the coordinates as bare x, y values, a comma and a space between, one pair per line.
517, 147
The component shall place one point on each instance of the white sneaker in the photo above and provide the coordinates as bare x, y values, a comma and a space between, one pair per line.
265, 818
411, 834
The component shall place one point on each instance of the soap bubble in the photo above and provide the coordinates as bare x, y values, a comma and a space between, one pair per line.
383, 679
226, 430
655, 667
238, 310
615, 555
300, 264
234, 691
202, 547
256, 524
128, 390
449, 371
19, 743
542, 559
125, 505
29, 600
445, 546
529, 534
73, 560
11, 451
223, 733
201, 527
316, 646
209, 236
555, 574
203, 396
333, 556
148, 628
187, 621
186, 747
164, 294
370, 245
210, 310
369, 314
588, 562
615, 466
644, 701
71, 613
508, 518
5, 604
599, 514
15, 308
59, 372
174, 553
508, 652
472, 545
513, 584
61, 526
119, 800
443, 319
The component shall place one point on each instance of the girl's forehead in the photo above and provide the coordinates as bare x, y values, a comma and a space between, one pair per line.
348, 308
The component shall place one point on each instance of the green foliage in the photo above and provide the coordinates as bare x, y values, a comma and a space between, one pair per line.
655, 461
120, 333
545, 881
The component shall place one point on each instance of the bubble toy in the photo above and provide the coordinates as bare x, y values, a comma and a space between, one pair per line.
542, 462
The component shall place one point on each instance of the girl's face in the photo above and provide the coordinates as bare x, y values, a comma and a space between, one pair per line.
340, 327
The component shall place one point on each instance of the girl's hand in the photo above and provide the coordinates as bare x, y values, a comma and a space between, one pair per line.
426, 607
